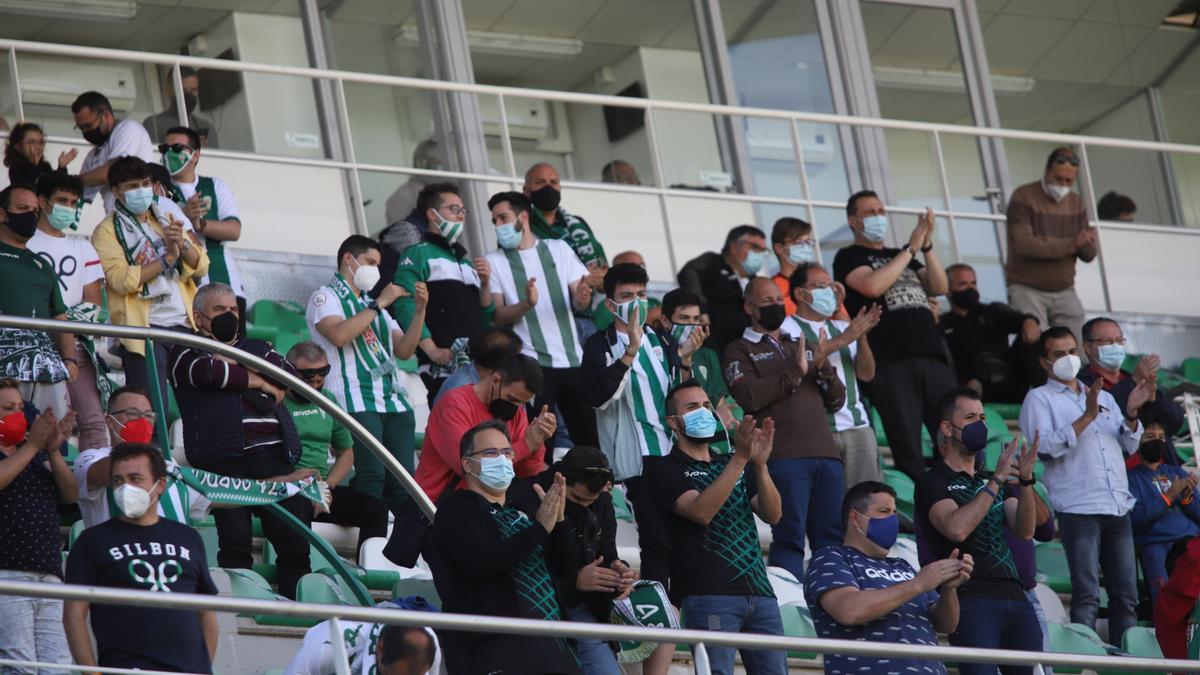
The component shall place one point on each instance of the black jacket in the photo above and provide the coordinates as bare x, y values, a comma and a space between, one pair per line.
711, 278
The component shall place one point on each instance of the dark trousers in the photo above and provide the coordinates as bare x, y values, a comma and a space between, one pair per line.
993, 623
906, 394
352, 508
371, 477
235, 533
564, 386
432, 387
652, 531
136, 368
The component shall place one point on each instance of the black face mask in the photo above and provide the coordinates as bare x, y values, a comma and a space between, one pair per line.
1153, 451
189, 102
771, 317
224, 327
546, 199
96, 136
503, 409
968, 298
23, 224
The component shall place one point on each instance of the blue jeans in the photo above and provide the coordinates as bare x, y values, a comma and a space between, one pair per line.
1031, 596
993, 623
31, 629
595, 656
737, 614
811, 491
1092, 543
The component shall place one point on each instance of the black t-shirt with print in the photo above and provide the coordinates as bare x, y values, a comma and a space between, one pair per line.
166, 557
723, 558
995, 574
29, 536
906, 328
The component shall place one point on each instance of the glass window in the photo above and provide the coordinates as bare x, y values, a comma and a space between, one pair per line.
1180, 96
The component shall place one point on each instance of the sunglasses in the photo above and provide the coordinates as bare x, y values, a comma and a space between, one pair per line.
310, 373
602, 471
177, 147
1066, 159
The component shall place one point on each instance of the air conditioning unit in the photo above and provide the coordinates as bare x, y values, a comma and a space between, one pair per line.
771, 139
57, 82
528, 118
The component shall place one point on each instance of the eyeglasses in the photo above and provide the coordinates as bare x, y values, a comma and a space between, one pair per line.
456, 209
135, 414
310, 373
1065, 159
492, 453
1105, 342
177, 147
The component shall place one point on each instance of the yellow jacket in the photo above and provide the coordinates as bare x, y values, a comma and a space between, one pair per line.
126, 306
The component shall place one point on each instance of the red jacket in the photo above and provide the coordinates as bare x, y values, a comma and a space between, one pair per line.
452, 416
1176, 600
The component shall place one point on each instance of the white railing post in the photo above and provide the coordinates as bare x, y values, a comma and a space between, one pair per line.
660, 183
356, 193
15, 76
510, 163
341, 662
177, 90
805, 190
1090, 200
945, 185
700, 659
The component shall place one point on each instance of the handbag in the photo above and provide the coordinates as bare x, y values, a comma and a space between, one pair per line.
410, 531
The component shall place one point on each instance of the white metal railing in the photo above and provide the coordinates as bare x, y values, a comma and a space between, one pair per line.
571, 629
805, 200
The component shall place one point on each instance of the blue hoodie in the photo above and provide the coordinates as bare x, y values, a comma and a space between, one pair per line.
1153, 521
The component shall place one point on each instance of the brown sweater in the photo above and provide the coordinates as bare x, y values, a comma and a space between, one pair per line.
1041, 239
766, 384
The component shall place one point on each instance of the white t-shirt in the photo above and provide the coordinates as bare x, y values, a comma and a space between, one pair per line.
73, 258
315, 656
548, 330
169, 310
179, 503
128, 138
226, 208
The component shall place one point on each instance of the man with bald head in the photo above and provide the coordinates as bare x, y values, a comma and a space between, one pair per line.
549, 220
773, 374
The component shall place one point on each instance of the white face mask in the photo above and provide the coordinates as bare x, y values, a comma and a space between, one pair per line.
1056, 192
132, 500
366, 276
1066, 367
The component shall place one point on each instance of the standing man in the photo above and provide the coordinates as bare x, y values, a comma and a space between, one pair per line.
536, 285
857, 592
978, 335
1047, 231
627, 371
782, 377
158, 125
110, 140
549, 220
41, 363
850, 353
208, 203
34, 480
792, 243
709, 502
139, 550
911, 373
80, 281
362, 341
460, 304
680, 318
1085, 438
719, 280
961, 508
490, 560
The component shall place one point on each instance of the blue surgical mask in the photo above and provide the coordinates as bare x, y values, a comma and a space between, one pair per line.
508, 236
801, 253
875, 227
699, 425
63, 217
625, 309
1111, 356
754, 262
883, 531
496, 472
824, 301
138, 200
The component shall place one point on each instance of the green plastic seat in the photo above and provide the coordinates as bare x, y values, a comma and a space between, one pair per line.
283, 315
621, 506
1140, 641
1074, 638
905, 490
1190, 369
258, 331
209, 536
76, 530
797, 622
1052, 567
421, 587
1008, 411
877, 423
285, 340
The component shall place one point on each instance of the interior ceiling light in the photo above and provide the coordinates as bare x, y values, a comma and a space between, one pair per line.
103, 10
1185, 15
507, 44
945, 80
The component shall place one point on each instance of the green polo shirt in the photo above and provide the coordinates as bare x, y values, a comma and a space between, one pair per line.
28, 285
319, 432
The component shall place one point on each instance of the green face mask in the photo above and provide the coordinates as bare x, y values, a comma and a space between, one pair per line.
625, 309
451, 230
63, 217
176, 160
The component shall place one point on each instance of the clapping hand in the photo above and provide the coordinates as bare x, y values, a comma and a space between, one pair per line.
694, 342
822, 350
1004, 464
802, 356
1028, 457
540, 428
1092, 409
554, 503
867, 319
66, 157
634, 329
531, 292
966, 567
581, 293
1142, 394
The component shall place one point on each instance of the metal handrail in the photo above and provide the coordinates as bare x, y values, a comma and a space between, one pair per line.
571, 629
261, 365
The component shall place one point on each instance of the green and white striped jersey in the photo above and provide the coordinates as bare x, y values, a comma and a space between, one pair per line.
853, 414
179, 503
548, 330
645, 388
363, 377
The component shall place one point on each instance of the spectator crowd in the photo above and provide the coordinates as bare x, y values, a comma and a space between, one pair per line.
560, 389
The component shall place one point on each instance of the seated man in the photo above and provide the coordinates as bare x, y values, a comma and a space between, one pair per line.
708, 502
234, 424
382, 649
978, 335
1165, 510
138, 550
502, 396
486, 350
719, 280
488, 558
856, 592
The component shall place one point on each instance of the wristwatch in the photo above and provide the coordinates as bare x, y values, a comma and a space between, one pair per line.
927, 249
374, 304
1027, 483
907, 247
